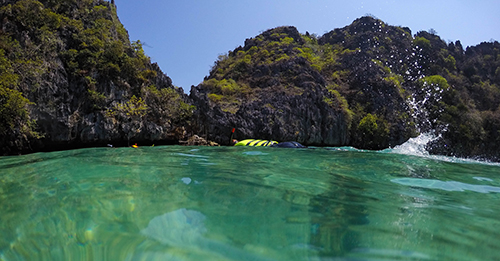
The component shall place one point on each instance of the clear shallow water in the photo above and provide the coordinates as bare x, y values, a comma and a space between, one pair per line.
240, 203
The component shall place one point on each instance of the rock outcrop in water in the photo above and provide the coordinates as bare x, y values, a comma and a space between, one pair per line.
348, 87
71, 78
368, 85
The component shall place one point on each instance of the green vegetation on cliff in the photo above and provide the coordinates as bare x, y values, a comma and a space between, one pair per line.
283, 62
383, 83
71, 62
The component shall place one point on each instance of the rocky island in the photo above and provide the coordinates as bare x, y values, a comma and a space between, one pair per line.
71, 78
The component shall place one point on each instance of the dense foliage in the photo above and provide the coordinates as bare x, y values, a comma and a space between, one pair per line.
388, 84
72, 59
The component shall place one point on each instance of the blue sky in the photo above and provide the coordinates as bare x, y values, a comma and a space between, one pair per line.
185, 37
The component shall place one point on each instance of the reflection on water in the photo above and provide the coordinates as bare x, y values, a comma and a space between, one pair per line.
179, 227
236, 203
445, 185
185, 229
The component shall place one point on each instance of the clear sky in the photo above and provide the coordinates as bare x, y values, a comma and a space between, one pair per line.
185, 37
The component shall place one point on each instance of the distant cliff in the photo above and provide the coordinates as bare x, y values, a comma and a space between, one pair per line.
368, 85
71, 78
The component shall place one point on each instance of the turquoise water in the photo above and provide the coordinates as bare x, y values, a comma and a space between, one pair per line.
241, 203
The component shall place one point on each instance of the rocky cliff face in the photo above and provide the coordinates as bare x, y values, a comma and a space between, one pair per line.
278, 96
286, 86
368, 85
71, 78
78, 81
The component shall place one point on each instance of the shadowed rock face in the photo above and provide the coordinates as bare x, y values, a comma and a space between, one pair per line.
304, 118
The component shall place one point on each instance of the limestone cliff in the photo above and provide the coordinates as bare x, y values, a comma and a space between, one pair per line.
368, 85
318, 91
70, 78
73, 79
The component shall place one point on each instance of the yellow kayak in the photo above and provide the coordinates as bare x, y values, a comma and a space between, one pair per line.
257, 143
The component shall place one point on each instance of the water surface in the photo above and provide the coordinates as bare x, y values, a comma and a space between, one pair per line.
241, 203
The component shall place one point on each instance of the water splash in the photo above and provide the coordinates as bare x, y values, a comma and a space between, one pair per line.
420, 104
416, 146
